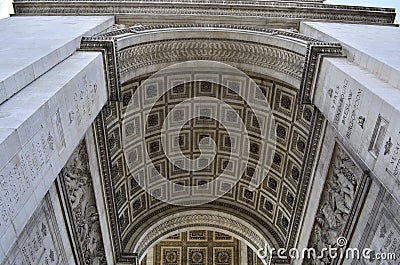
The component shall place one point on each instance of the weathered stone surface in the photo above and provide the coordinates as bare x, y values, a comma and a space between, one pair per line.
30, 46
41, 241
41, 126
374, 48
363, 109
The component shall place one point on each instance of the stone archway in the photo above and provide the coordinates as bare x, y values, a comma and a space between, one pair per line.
279, 61
199, 220
288, 67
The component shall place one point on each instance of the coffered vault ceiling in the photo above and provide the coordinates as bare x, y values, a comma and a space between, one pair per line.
273, 204
273, 201
200, 247
277, 65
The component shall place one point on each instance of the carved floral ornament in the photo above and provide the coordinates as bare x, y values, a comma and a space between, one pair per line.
211, 42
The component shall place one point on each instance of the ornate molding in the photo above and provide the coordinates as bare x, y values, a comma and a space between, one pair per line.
234, 209
141, 54
279, 59
307, 171
257, 9
108, 47
101, 138
235, 50
145, 29
197, 2
315, 53
190, 220
121, 236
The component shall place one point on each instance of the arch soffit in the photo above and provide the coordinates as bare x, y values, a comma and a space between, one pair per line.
199, 219
276, 53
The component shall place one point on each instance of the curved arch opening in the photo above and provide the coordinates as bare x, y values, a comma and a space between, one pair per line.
275, 60
200, 220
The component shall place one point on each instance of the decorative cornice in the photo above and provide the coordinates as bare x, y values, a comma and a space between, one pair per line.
281, 10
108, 47
310, 160
315, 53
205, 2
236, 50
144, 29
142, 54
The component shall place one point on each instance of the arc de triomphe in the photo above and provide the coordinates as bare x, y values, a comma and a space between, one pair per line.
199, 132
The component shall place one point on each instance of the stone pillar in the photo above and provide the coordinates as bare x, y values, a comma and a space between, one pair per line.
49, 96
359, 96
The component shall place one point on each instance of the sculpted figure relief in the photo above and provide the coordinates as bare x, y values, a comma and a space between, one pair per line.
80, 197
336, 202
75, 186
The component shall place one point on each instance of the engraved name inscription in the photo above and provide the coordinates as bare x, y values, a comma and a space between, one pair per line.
58, 130
354, 112
39, 242
83, 102
345, 103
19, 175
394, 162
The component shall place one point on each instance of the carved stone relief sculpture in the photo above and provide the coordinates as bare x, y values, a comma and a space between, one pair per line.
342, 185
382, 232
40, 241
76, 183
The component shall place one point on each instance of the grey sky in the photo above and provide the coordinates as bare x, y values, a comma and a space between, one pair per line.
6, 5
